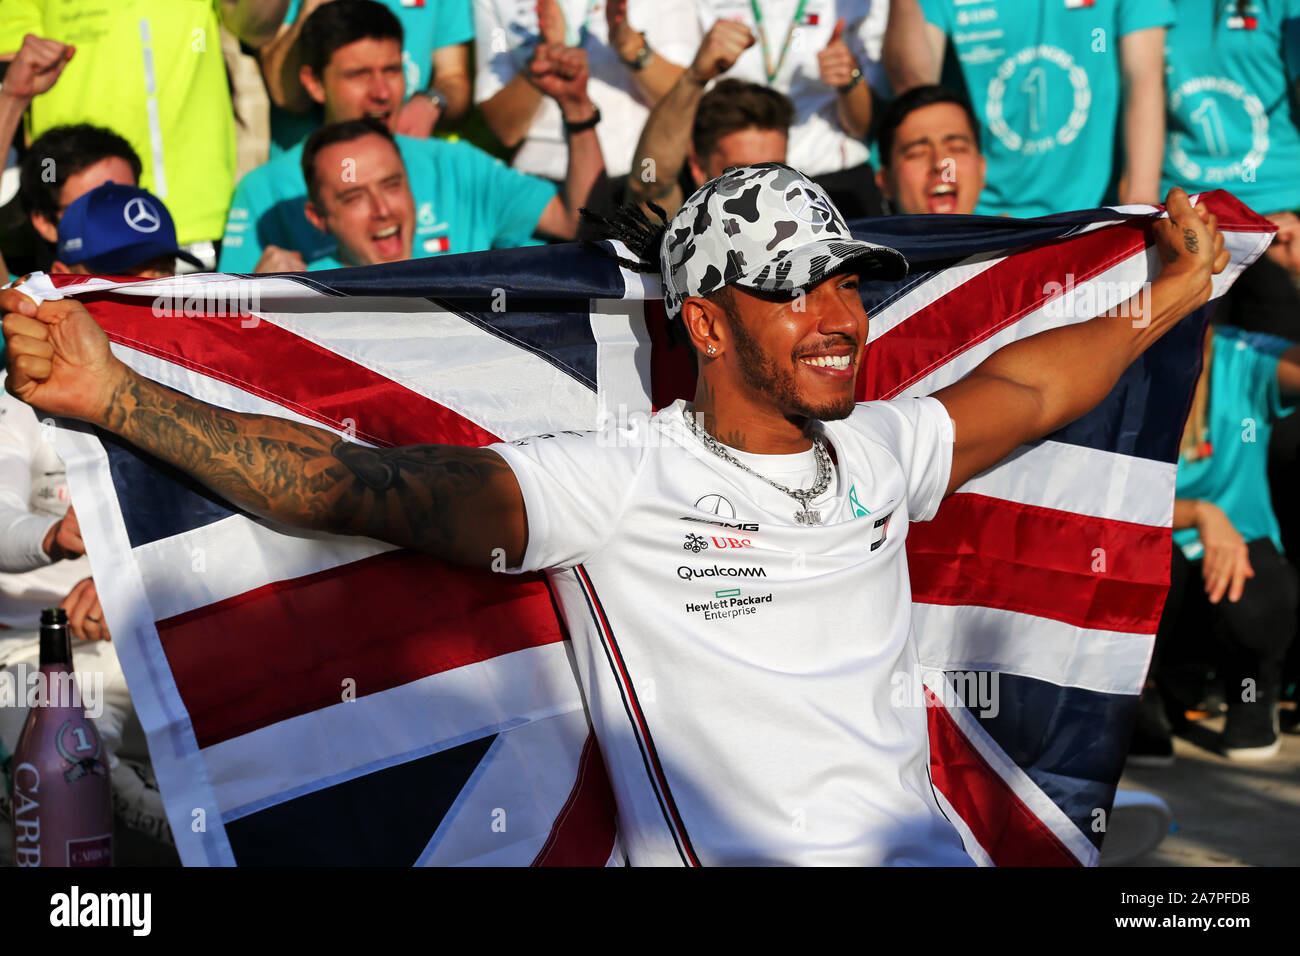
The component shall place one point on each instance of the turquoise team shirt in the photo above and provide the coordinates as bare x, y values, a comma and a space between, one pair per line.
1245, 401
465, 201
1229, 120
1044, 78
426, 26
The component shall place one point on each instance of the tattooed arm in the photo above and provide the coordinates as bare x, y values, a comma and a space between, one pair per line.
457, 503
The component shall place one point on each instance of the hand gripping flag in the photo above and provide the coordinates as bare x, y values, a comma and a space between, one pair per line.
314, 699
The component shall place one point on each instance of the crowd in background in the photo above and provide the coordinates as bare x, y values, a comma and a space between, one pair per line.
146, 137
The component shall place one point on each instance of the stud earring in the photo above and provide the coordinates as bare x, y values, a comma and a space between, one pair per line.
712, 350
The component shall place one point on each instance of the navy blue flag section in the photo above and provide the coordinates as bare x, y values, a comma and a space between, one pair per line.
311, 698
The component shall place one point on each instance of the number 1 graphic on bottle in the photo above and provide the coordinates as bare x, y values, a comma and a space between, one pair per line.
1035, 85
82, 743
1207, 114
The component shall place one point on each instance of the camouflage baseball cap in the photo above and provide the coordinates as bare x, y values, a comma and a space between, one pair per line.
765, 227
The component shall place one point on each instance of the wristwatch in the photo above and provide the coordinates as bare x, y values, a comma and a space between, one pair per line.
571, 128
854, 79
436, 96
638, 62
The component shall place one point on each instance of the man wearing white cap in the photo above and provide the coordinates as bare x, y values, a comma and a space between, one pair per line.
733, 577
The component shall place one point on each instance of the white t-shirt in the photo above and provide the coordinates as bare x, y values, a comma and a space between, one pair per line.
505, 33
33, 496
744, 672
818, 144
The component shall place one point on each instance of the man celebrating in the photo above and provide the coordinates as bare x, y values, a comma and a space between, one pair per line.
749, 718
465, 200
930, 159
371, 212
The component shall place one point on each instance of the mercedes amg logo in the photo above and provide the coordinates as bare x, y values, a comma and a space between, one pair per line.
807, 206
141, 216
718, 505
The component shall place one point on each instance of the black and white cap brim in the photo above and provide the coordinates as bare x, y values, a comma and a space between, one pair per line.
790, 272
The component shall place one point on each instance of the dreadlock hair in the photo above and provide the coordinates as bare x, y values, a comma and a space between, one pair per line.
631, 226
644, 239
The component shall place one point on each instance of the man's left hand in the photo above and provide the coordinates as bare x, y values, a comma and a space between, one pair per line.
85, 616
1190, 245
836, 62
417, 117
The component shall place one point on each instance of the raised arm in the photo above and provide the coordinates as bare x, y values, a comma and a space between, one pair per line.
255, 22
657, 75
666, 137
1142, 61
1034, 386
913, 52
561, 72
457, 503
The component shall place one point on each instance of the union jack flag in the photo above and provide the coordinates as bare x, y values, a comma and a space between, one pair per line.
313, 699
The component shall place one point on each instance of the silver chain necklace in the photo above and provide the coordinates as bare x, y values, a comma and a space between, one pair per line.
801, 495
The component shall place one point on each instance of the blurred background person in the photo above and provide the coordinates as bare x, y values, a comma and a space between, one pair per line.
110, 230
370, 213
1070, 96
465, 199
33, 70
930, 158
1232, 125
1229, 117
436, 36
155, 69
118, 230
825, 56
634, 50
1231, 589
693, 136
61, 166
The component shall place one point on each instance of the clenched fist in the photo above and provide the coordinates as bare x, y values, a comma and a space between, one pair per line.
275, 259
36, 67
721, 47
58, 357
1190, 245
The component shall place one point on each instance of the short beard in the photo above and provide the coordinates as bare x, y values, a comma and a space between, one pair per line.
761, 373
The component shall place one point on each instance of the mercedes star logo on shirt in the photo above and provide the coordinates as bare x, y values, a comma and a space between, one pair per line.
141, 216
717, 504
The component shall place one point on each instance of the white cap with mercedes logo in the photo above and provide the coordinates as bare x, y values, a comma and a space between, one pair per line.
765, 227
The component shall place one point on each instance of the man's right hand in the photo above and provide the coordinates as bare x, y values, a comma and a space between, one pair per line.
36, 67
57, 357
721, 47
275, 259
63, 540
1227, 557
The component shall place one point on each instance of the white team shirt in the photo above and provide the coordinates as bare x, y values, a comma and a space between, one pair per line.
33, 496
817, 144
505, 32
744, 673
